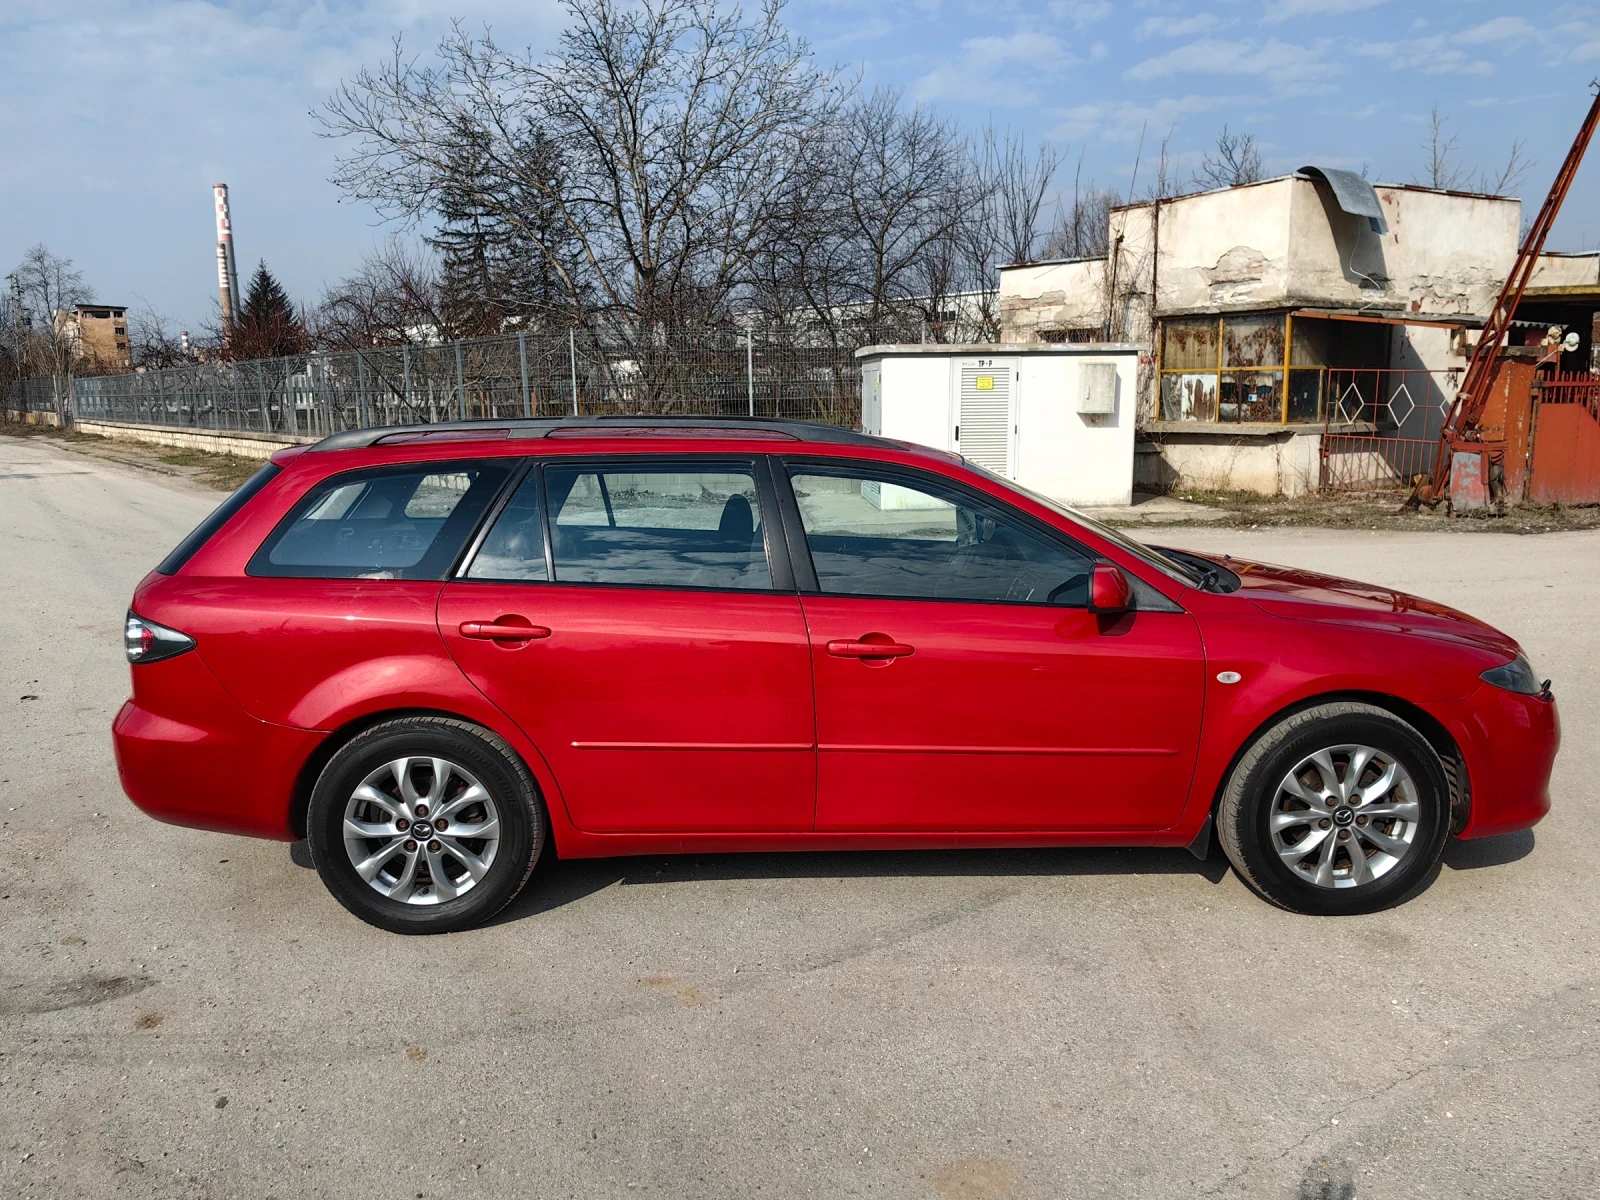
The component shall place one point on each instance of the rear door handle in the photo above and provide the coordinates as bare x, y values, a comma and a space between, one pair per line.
866, 649
504, 629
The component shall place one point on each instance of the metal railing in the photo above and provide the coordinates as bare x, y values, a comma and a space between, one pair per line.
712, 373
1565, 387
1381, 427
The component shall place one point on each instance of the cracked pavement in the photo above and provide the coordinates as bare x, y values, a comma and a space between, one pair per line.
185, 1014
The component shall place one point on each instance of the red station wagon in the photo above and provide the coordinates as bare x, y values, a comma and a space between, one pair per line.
429, 650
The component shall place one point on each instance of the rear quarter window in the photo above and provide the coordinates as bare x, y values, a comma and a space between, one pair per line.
407, 521
220, 516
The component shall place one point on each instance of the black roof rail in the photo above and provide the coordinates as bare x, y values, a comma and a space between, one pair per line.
541, 427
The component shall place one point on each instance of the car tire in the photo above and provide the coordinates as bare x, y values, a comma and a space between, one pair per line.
1292, 819
408, 848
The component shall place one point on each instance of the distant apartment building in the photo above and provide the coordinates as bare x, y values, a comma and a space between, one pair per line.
99, 332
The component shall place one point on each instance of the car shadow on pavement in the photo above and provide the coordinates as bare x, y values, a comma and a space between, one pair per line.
559, 882
1488, 852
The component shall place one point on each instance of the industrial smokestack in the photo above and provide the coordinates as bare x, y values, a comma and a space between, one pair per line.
227, 271
183, 341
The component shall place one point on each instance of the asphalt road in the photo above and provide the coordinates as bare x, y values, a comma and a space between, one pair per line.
188, 1014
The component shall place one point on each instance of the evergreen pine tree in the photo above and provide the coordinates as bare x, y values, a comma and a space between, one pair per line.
497, 270
267, 326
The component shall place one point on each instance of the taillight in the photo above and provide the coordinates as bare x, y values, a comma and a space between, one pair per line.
145, 641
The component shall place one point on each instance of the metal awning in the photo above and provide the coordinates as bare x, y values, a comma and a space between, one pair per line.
1353, 193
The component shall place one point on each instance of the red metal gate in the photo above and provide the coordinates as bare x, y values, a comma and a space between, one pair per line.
1566, 441
1381, 427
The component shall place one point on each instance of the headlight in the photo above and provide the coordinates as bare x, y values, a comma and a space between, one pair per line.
1515, 676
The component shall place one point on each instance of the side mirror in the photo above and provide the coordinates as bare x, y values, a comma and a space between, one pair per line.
1109, 590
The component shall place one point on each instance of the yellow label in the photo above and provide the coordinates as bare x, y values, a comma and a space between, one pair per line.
984, 383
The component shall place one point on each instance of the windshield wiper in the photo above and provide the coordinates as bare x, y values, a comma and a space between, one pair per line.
1210, 575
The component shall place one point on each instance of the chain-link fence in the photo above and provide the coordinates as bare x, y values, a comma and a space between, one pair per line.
718, 373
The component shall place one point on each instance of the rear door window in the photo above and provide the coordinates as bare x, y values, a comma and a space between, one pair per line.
401, 522
695, 525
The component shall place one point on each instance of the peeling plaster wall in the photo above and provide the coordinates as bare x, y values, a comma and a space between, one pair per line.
1566, 270
1051, 296
1278, 244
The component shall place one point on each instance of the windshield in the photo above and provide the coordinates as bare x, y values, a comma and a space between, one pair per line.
1145, 554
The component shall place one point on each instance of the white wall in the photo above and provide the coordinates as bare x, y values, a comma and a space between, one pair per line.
1566, 270
916, 400
1076, 458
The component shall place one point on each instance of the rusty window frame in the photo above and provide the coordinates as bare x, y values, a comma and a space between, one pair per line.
1222, 369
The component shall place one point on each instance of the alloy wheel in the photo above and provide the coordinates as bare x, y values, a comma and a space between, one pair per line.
421, 830
1345, 816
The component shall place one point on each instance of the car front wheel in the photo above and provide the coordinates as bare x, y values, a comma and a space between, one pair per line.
1339, 809
425, 825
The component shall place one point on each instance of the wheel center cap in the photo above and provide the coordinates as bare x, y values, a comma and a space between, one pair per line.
1343, 816
422, 830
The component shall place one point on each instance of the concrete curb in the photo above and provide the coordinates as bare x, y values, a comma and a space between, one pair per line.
239, 443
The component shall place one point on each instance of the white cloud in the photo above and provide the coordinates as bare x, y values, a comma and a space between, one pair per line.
1180, 27
1284, 10
1082, 13
1288, 68
997, 70
1499, 31
1123, 121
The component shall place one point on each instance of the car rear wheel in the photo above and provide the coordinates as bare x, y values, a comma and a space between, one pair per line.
1342, 808
425, 825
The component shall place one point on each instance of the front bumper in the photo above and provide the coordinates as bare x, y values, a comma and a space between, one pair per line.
1509, 742
188, 754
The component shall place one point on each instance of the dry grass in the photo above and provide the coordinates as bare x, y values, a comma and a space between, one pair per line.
224, 472
1249, 510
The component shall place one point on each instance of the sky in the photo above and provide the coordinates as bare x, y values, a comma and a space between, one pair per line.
115, 119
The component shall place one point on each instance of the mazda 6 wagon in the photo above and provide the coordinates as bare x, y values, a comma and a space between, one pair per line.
436, 652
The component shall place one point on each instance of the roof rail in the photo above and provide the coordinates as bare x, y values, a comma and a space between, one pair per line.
542, 427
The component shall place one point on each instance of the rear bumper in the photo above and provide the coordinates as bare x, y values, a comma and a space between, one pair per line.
188, 754
1510, 743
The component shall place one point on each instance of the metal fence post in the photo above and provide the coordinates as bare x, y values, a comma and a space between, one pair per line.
327, 394
522, 356
361, 392
572, 361
750, 368
405, 369
261, 389
461, 386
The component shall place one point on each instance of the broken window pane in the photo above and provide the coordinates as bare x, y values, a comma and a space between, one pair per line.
1189, 345
1188, 397
1255, 341
1251, 396
1305, 390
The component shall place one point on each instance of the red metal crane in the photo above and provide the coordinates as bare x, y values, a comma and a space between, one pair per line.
1462, 425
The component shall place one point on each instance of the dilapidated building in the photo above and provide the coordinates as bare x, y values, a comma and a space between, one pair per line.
1271, 312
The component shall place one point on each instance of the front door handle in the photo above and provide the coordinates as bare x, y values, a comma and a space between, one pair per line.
504, 629
869, 647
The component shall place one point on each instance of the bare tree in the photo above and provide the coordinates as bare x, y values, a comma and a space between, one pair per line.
866, 224
1167, 185
1083, 228
50, 287
152, 342
394, 298
1237, 160
1443, 169
1440, 169
678, 122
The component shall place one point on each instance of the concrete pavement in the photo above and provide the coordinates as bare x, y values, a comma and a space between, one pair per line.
189, 1014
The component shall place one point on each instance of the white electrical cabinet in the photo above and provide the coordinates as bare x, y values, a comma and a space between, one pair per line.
1056, 419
